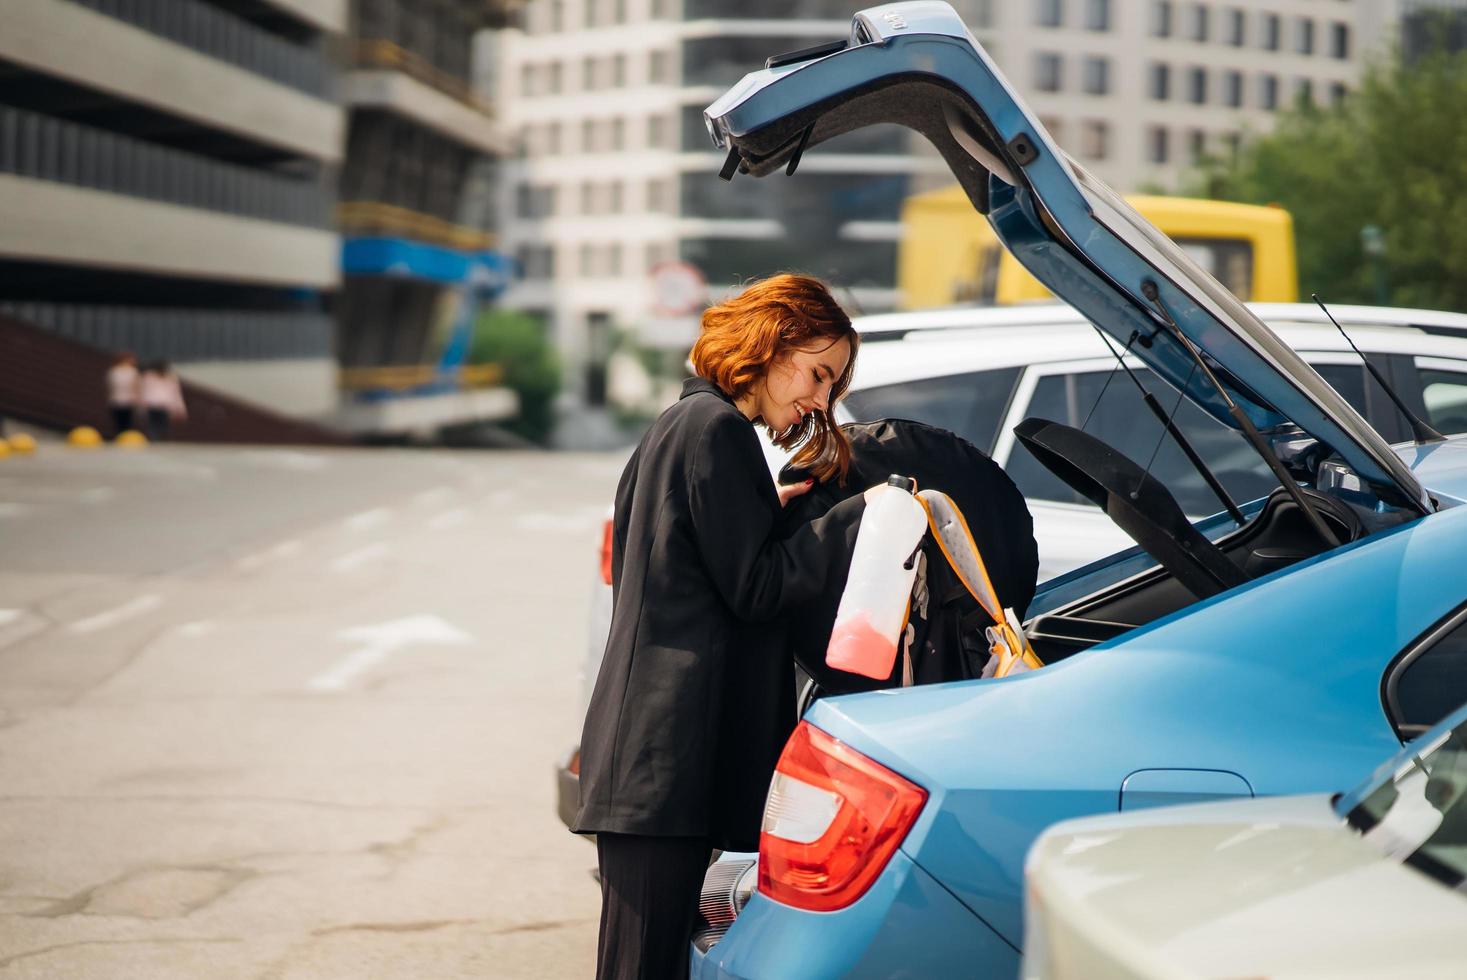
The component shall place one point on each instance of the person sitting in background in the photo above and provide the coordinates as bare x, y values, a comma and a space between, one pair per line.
162, 399
122, 392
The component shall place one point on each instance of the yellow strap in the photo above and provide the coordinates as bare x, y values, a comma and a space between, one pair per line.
982, 591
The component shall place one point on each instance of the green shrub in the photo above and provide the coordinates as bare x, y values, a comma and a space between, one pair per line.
518, 342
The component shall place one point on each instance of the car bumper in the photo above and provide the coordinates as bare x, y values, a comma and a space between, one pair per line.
568, 786
905, 925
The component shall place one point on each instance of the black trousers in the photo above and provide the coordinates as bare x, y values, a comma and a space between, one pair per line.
649, 896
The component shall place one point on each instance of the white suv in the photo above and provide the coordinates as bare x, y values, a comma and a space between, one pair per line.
980, 371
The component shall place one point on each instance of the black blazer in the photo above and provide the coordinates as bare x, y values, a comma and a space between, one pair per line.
695, 696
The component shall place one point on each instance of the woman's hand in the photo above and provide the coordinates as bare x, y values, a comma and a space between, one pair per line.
789, 491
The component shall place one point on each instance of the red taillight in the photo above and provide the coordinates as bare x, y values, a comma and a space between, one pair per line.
605, 553
833, 819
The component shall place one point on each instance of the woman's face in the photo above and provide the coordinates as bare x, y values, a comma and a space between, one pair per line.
800, 382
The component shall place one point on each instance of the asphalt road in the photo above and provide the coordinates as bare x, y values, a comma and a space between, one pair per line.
292, 713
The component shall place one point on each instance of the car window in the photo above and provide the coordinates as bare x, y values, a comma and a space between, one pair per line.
972, 405
1445, 394
1122, 420
1417, 812
1431, 682
1349, 381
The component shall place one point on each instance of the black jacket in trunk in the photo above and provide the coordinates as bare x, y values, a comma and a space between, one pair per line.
694, 700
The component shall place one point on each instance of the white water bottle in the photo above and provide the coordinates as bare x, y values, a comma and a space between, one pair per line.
873, 608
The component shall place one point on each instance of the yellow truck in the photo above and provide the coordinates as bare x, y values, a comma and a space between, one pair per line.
948, 254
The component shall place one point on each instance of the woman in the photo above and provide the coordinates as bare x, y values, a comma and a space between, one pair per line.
161, 396
694, 563
122, 392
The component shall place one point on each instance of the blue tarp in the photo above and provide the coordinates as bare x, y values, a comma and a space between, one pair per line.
404, 258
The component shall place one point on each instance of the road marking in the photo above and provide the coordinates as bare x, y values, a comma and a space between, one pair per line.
368, 519
380, 641
449, 518
437, 495
282, 550
581, 520
126, 611
353, 560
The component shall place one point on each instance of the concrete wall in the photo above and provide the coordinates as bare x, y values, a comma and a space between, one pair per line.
91, 49
304, 388
408, 97
45, 221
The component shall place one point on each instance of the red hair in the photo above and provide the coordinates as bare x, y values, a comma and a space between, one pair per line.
744, 336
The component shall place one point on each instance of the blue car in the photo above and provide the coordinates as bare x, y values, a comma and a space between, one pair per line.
1283, 645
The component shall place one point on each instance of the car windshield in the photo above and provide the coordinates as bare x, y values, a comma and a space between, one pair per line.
1417, 812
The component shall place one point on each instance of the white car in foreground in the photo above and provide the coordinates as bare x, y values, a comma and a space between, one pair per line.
1369, 884
979, 371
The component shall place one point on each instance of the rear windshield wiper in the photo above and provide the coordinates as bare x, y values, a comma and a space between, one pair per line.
1153, 294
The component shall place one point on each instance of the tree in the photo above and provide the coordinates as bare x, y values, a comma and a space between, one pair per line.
517, 342
1392, 155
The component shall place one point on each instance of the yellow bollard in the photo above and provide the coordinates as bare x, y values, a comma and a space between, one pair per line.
22, 442
4, 449
84, 437
131, 439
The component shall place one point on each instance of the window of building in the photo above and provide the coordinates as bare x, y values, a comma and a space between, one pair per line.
661, 9
1339, 40
618, 134
1304, 91
1096, 75
1236, 22
553, 80
1304, 35
557, 16
1269, 37
619, 71
659, 64
593, 13
552, 139
976, 13
658, 198
1158, 144
588, 198
1233, 88
1053, 127
1049, 13
1338, 93
657, 132
1196, 144
1097, 15
1197, 85
617, 201
1094, 139
1233, 141
1268, 92
1201, 22
527, 80
588, 136
619, 11
587, 260
613, 260
1160, 81
1048, 72
588, 74
1161, 18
